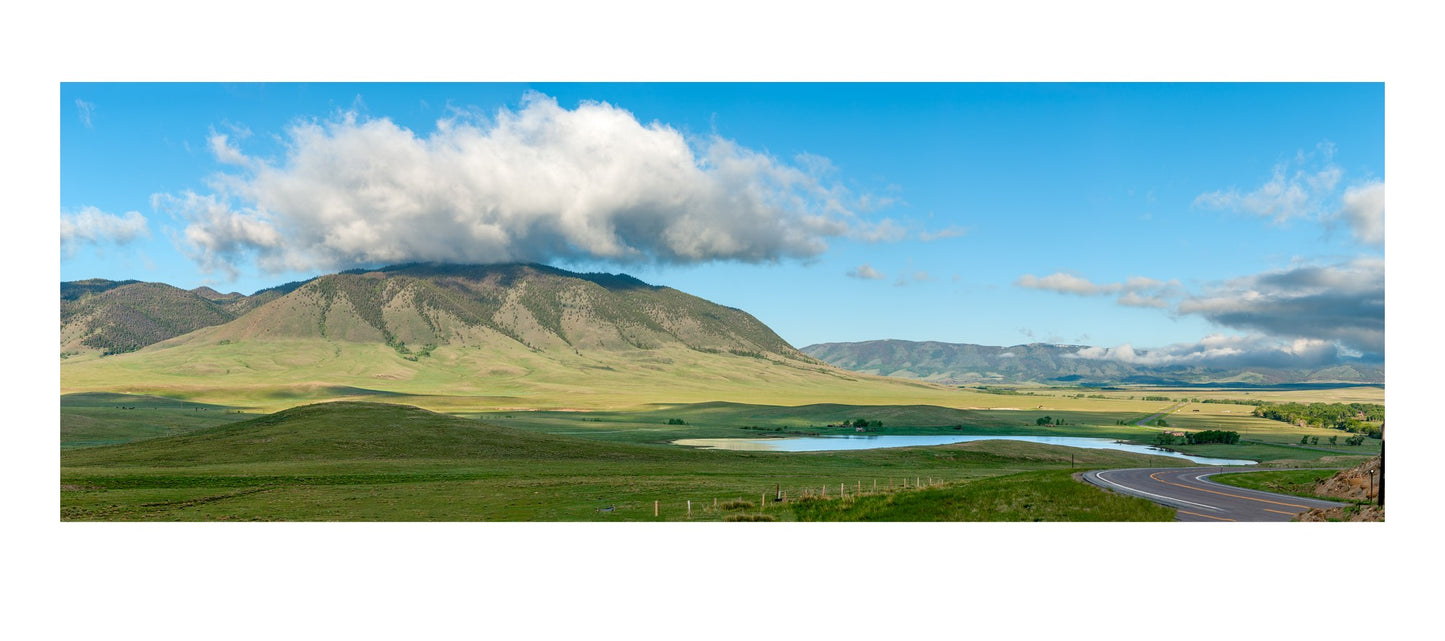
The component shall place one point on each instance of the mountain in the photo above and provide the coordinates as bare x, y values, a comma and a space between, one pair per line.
517, 334
123, 316
106, 317
416, 307
962, 363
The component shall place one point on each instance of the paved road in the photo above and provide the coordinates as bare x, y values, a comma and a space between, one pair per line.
1198, 499
1167, 410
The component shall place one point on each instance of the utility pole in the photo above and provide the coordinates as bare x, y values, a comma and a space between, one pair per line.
1380, 499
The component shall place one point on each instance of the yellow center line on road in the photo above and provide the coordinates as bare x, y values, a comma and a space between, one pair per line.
1155, 476
1279, 512
1217, 518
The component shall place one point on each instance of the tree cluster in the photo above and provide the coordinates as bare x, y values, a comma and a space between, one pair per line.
1357, 418
1226, 437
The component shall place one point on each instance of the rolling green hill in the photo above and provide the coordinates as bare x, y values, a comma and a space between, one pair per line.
370, 461
349, 431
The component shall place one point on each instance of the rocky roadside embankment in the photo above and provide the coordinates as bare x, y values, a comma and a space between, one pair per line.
1354, 484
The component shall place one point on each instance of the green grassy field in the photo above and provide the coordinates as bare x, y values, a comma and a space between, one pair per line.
359, 462
1272, 442
1294, 482
584, 444
88, 420
1053, 495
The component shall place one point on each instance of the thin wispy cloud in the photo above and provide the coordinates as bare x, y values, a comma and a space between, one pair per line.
1136, 291
86, 111
1297, 188
915, 277
949, 232
865, 272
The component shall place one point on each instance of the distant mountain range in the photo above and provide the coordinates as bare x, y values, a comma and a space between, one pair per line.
963, 363
527, 324
114, 317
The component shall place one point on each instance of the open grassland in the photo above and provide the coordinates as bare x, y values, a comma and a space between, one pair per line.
1293, 482
360, 461
749, 420
1281, 394
1263, 439
270, 375
273, 375
1053, 495
630, 396
1272, 442
88, 420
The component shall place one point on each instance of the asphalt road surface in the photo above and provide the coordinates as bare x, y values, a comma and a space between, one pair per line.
1198, 499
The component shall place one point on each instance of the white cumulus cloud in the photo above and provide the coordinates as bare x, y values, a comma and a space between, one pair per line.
216, 236
1364, 212
92, 226
534, 184
1135, 291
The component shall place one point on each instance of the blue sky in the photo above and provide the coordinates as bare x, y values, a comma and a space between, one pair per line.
1199, 221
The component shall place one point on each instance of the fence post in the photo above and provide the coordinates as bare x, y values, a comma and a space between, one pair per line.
654, 508
689, 508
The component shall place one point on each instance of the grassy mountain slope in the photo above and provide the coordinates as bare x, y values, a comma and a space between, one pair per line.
130, 315
101, 317
481, 336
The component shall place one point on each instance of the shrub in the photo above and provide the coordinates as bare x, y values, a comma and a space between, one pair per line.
748, 517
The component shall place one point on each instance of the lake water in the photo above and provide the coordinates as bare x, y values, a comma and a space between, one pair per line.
834, 443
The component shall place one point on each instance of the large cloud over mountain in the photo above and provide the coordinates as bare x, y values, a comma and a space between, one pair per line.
536, 184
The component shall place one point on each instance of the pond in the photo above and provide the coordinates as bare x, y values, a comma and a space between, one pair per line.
834, 443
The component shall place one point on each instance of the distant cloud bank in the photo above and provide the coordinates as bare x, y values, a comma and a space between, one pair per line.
1343, 303
1303, 316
